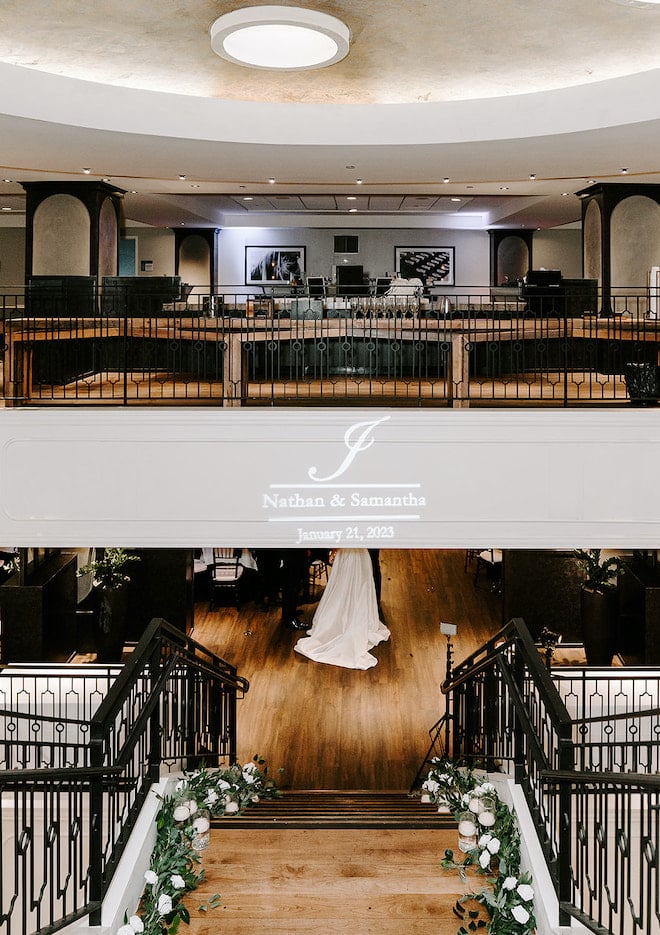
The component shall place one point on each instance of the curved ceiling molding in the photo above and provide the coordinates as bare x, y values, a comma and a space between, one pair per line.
36, 95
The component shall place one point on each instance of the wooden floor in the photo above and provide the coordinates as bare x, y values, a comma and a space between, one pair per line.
340, 882
332, 728
539, 388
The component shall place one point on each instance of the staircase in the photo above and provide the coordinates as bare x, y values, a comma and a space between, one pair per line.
341, 809
321, 862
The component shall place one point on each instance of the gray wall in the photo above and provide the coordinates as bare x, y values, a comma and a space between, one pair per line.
559, 249
376, 250
12, 256
553, 249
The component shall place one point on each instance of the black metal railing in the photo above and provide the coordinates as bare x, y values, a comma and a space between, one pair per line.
505, 709
238, 347
583, 746
64, 827
612, 830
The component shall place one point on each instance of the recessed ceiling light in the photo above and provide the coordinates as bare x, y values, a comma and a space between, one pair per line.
271, 181
7, 180
181, 178
532, 176
6, 208
350, 167
504, 188
133, 191
358, 181
624, 172
469, 186
564, 194
352, 210
445, 181
351, 197
247, 198
194, 185
282, 37
86, 171
456, 199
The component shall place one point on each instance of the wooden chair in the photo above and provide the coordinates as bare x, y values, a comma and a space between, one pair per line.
470, 555
490, 560
226, 572
318, 574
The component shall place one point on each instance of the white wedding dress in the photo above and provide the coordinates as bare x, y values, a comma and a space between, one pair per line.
346, 623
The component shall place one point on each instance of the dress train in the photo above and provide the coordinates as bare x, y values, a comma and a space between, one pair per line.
346, 624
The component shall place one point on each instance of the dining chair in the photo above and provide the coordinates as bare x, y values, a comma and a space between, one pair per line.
318, 575
490, 560
226, 573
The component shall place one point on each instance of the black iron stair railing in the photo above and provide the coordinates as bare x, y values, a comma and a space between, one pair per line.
599, 831
172, 706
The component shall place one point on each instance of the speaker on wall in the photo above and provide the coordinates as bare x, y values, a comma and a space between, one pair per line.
346, 243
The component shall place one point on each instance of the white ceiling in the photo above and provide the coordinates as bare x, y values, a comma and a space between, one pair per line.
481, 93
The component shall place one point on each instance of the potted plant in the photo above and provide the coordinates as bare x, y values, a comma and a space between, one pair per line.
109, 583
598, 604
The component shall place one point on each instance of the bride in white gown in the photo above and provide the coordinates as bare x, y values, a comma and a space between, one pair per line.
346, 623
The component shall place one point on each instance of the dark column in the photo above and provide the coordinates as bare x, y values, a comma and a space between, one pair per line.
496, 238
91, 194
608, 195
210, 235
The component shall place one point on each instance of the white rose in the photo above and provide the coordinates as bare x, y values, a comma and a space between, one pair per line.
493, 846
223, 784
231, 808
431, 785
526, 892
164, 904
211, 798
181, 784
136, 923
484, 839
248, 777
181, 813
125, 930
249, 767
177, 881
191, 805
201, 825
254, 798
484, 859
510, 883
520, 914
487, 788
151, 877
465, 799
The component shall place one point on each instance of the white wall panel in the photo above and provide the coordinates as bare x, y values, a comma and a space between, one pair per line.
379, 477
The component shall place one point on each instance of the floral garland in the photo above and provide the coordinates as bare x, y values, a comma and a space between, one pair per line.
183, 821
509, 897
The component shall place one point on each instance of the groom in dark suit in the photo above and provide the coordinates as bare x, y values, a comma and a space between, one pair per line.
295, 568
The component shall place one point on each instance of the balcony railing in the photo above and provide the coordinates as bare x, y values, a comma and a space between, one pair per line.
583, 746
82, 748
236, 348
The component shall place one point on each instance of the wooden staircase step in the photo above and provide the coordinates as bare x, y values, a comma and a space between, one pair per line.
319, 881
339, 809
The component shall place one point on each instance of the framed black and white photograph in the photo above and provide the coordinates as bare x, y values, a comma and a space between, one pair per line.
433, 265
271, 265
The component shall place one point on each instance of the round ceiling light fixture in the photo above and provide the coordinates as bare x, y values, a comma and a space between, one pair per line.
280, 37
639, 4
